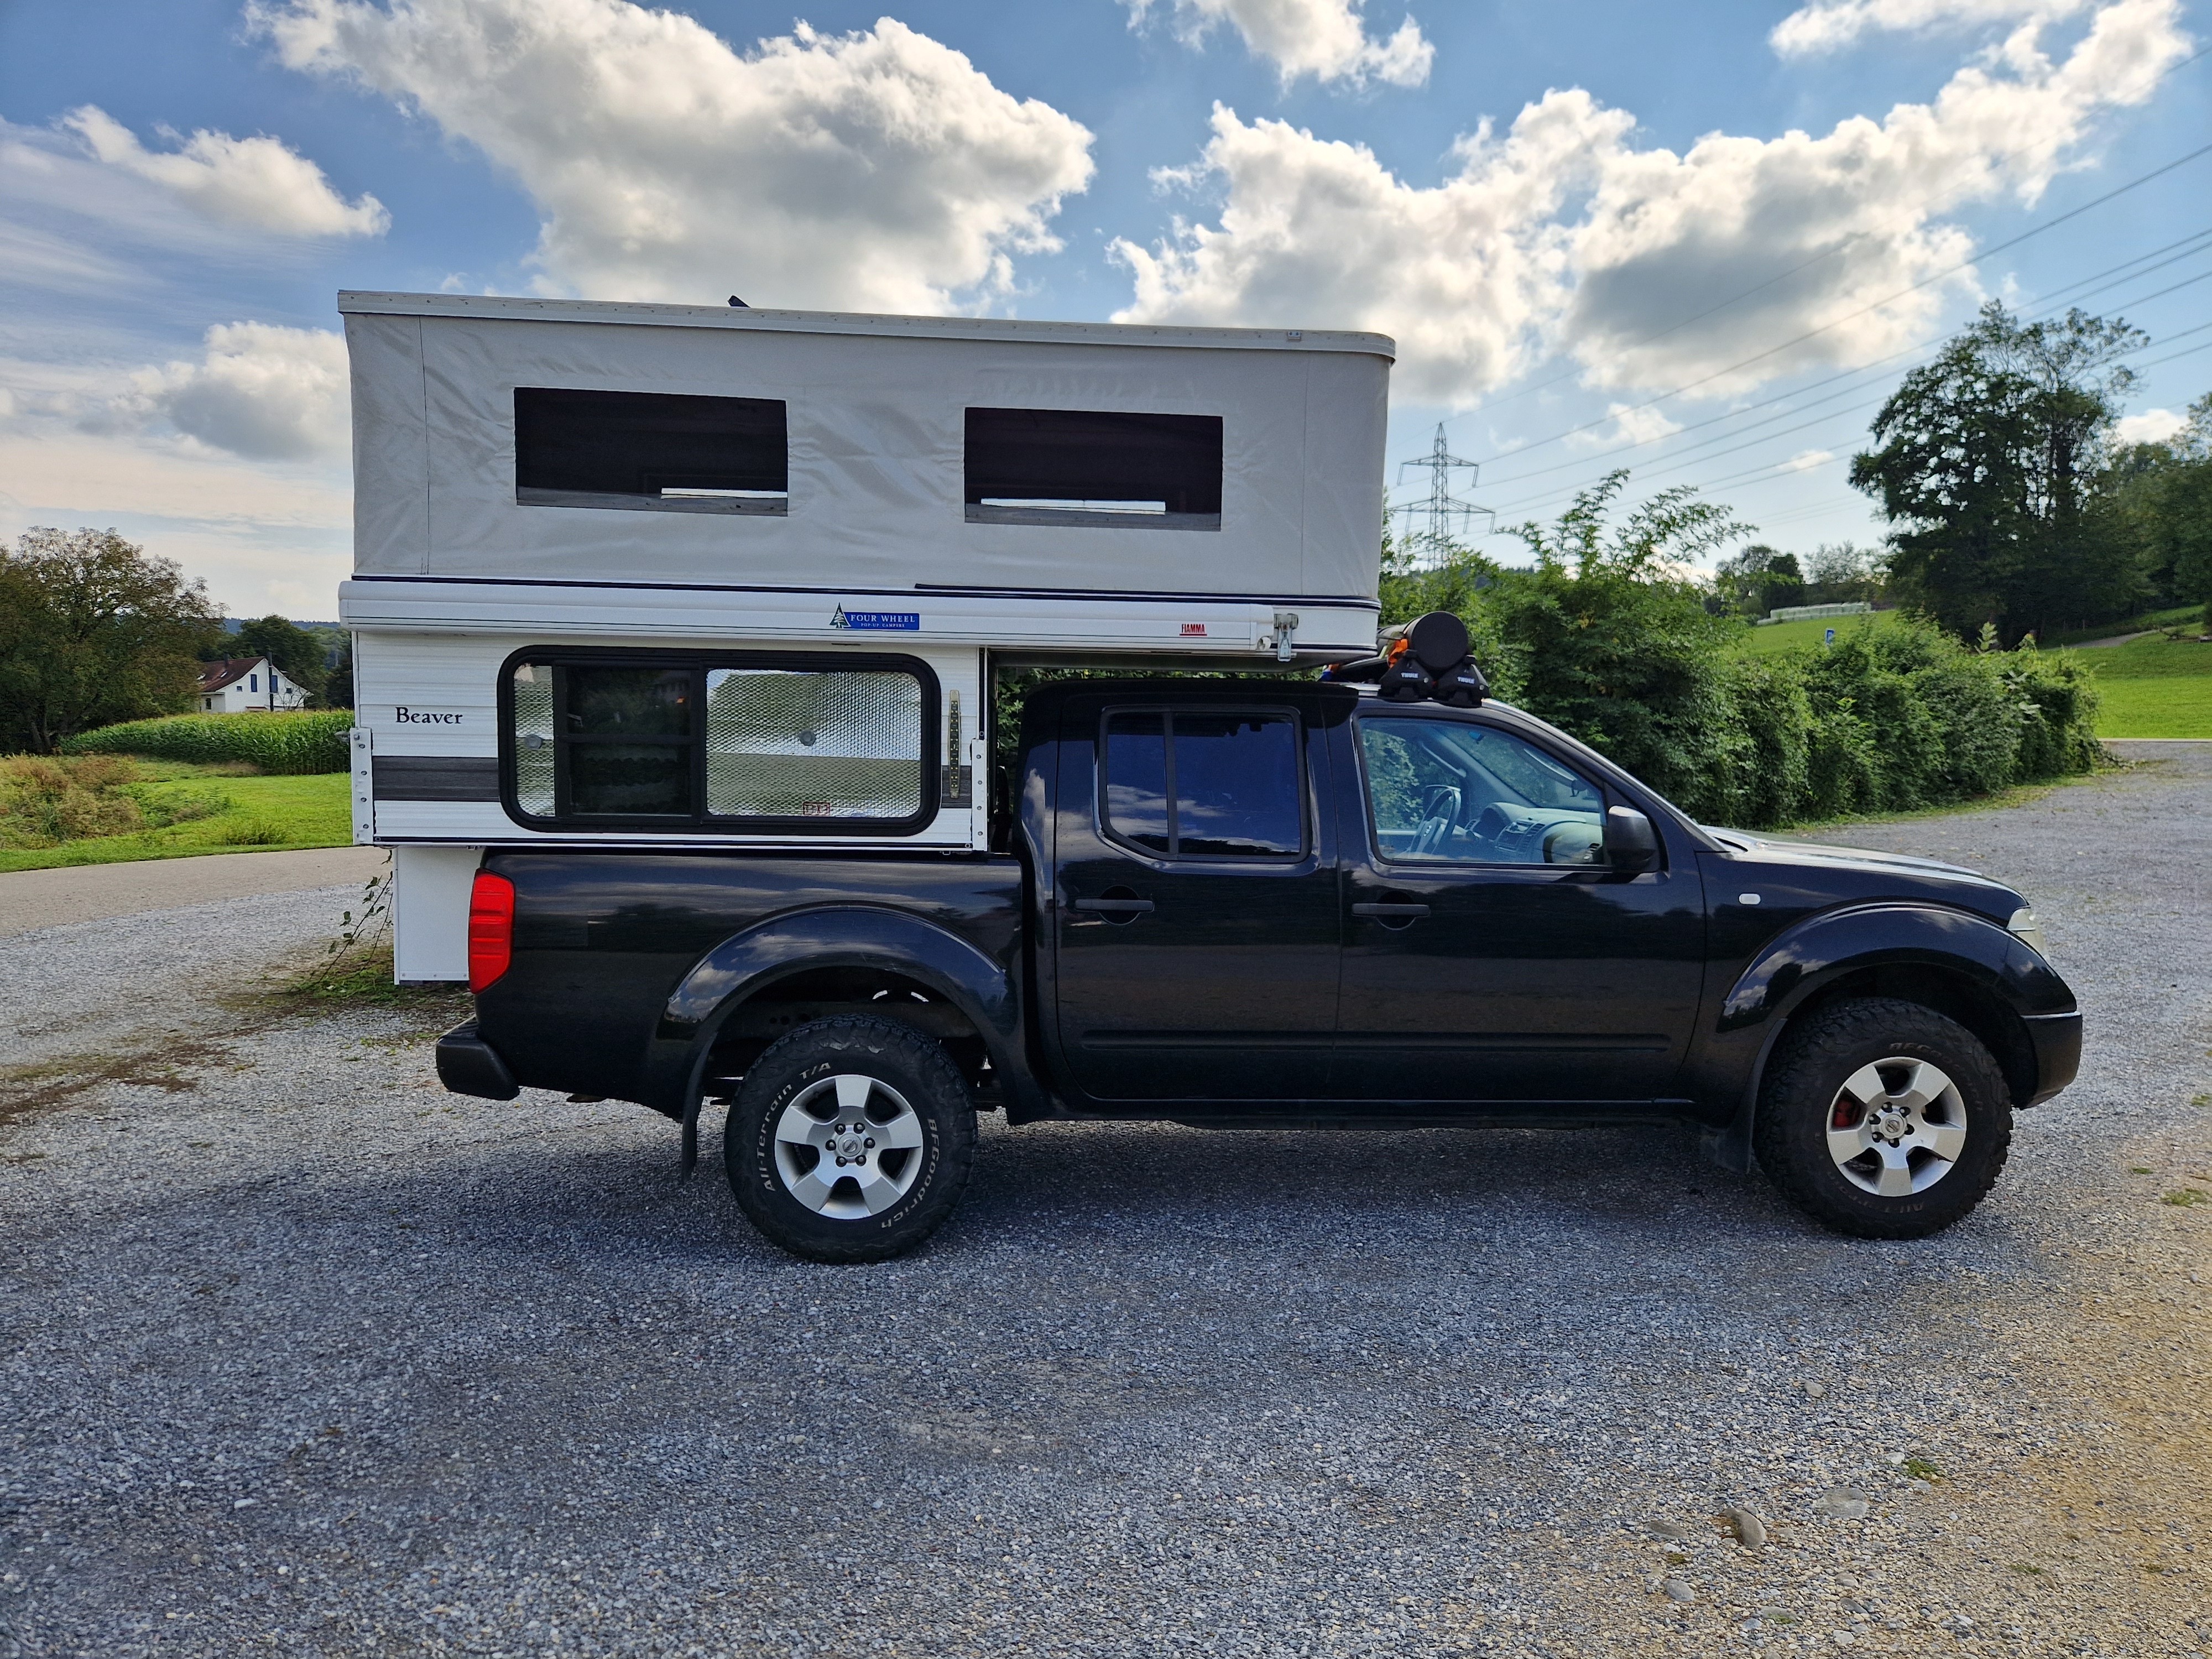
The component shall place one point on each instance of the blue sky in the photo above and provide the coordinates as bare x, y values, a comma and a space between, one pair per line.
1599, 228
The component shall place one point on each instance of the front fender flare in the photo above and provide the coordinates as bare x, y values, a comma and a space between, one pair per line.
830, 936
1805, 959
1797, 963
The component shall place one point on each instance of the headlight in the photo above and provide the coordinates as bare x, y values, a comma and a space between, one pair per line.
2027, 930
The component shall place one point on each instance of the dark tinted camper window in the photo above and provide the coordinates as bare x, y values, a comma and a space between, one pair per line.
1093, 467
744, 743
651, 451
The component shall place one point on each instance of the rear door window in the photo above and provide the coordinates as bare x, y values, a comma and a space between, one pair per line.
1205, 783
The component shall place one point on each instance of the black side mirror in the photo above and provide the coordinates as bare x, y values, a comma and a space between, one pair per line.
1631, 843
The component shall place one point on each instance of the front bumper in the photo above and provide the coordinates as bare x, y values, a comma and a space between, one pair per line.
467, 1065
2057, 1042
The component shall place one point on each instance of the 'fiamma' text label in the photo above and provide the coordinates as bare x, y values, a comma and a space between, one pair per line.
403, 715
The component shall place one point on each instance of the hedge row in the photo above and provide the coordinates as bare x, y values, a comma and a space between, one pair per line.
1884, 720
286, 745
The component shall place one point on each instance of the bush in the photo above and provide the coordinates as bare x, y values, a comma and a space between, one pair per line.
1606, 639
286, 745
46, 800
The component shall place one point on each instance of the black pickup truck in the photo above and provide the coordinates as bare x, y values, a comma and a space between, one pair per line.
1236, 904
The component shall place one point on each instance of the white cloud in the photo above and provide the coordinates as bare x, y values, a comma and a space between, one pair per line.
1806, 459
256, 182
1625, 424
2153, 426
1325, 39
1563, 235
1827, 25
90, 443
877, 170
1466, 273
259, 390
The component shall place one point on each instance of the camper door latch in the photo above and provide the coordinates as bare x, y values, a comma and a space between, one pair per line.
1287, 628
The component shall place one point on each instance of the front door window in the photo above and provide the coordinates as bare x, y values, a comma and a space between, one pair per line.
1470, 794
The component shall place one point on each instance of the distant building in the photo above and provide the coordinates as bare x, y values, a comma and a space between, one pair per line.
239, 684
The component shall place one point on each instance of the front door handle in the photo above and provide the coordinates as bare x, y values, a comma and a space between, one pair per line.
1116, 907
1391, 915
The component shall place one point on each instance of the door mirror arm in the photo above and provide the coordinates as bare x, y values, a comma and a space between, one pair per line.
1631, 843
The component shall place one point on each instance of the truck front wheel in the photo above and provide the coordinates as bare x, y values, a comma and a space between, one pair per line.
1882, 1118
851, 1139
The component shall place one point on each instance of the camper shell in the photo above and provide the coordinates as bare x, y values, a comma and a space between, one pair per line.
827, 528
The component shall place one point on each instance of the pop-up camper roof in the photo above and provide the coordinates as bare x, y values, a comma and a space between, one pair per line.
530, 440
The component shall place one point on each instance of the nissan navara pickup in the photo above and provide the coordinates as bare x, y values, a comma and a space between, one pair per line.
1252, 904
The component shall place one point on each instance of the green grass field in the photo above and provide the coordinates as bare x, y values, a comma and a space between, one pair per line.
2163, 707
257, 815
1784, 636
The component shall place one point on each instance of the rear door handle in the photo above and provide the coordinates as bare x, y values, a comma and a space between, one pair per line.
1386, 914
1116, 907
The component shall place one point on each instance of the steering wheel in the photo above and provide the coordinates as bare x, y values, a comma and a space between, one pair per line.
1439, 818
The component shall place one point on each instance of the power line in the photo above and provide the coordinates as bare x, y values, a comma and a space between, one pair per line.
2190, 352
1847, 374
1775, 465
2046, 310
1834, 323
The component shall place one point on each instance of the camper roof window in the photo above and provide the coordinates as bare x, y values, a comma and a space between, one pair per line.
651, 451
1106, 469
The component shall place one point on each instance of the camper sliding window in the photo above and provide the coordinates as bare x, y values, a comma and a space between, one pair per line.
684, 741
650, 452
1099, 468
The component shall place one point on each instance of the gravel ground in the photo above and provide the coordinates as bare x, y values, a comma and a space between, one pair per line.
121, 985
302, 1356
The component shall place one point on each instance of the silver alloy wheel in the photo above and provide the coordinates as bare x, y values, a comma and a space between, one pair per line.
1897, 1127
848, 1146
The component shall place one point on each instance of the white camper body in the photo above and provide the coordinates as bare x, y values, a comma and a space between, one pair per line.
831, 523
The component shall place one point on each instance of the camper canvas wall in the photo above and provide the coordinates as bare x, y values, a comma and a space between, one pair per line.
549, 441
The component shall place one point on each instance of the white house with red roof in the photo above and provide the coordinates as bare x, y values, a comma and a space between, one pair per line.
234, 685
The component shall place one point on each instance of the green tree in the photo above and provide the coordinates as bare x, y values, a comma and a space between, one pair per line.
1986, 469
295, 651
1613, 640
1759, 579
1839, 573
2161, 494
93, 630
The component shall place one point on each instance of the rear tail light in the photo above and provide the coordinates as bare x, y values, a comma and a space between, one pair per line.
491, 929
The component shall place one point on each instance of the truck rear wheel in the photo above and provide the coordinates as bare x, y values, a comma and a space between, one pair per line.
851, 1139
1883, 1119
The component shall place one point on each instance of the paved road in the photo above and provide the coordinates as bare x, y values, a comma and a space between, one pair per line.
31, 900
299, 1355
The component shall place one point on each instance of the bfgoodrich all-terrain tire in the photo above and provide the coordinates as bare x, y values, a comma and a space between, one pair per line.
1883, 1119
851, 1140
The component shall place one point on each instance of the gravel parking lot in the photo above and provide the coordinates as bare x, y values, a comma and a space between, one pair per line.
300, 1355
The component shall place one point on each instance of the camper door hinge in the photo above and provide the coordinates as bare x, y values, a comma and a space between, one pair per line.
364, 786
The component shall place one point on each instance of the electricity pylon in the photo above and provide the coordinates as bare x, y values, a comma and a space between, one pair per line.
1442, 507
